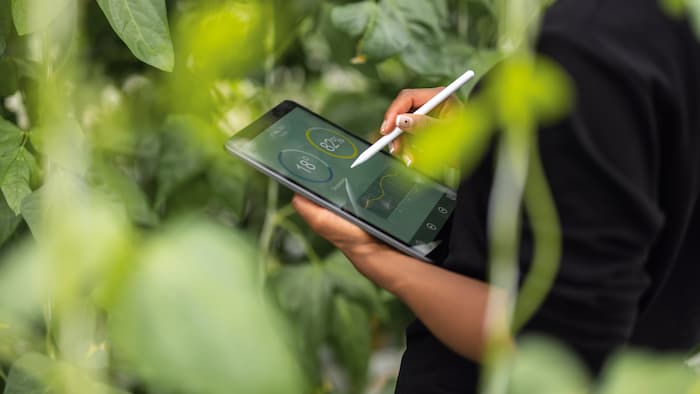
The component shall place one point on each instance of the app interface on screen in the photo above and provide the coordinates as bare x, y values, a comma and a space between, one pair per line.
382, 191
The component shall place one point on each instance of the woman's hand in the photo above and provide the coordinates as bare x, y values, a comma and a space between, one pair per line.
350, 239
452, 306
398, 114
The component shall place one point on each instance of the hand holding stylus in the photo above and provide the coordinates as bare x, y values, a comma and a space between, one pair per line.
432, 103
399, 114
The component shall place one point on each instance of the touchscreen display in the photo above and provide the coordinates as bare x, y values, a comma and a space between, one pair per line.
382, 191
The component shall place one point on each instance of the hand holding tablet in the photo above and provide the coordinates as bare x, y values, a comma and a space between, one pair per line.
312, 156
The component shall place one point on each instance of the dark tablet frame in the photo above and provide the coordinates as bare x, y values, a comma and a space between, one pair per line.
275, 114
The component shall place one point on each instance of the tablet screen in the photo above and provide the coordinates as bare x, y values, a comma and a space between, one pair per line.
314, 154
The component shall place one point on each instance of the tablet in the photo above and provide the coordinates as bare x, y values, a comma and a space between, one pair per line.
312, 156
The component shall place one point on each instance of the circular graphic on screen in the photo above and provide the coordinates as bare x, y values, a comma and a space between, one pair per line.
331, 142
305, 166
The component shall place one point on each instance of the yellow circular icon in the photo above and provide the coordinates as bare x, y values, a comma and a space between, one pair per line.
333, 143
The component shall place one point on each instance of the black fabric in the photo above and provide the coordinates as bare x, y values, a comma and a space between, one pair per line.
624, 169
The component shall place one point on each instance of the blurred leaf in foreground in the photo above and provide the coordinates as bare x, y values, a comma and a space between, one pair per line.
543, 366
34, 15
191, 319
352, 339
35, 373
637, 372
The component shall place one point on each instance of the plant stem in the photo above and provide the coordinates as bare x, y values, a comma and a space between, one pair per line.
268, 229
546, 232
503, 231
294, 229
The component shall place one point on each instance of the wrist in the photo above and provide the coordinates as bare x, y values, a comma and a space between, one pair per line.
379, 263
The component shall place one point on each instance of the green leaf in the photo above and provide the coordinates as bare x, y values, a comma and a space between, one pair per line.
15, 165
33, 15
229, 179
8, 221
353, 18
181, 158
16, 180
5, 25
351, 284
32, 211
391, 26
545, 367
191, 317
127, 192
38, 374
304, 292
143, 26
10, 140
694, 15
637, 372
352, 340
9, 72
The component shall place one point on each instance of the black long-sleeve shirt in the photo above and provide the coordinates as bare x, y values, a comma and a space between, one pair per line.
624, 169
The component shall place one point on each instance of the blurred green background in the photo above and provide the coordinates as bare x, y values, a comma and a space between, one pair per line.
137, 256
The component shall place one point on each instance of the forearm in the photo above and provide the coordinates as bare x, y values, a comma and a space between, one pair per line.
452, 306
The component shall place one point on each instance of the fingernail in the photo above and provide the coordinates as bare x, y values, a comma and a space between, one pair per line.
392, 149
383, 127
403, 121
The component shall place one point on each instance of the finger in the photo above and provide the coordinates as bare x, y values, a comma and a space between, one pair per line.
326, 223
412, 122
306, 209
395, 147
408, 100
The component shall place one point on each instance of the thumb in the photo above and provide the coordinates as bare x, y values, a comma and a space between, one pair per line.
412, 122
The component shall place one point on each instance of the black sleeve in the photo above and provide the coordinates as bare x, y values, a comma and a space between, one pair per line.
600, 163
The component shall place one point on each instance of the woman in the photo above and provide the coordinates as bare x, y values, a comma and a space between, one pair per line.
624, 170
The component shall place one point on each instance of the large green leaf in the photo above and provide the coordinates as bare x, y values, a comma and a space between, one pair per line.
8, 221
694, 11
16, 180
412, 28
637, 372
126, 191
34, 15
352, 339
23, 287
182, 156
10, 75
351, 284
10, 140
5, 25
191, 318
544, 366
304, 292
229, 181
143, 26
32, 212
15, 165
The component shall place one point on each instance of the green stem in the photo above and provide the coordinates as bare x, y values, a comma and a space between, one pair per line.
48, 338
294, 229
2, 375
268, 229
547, 240
503, 235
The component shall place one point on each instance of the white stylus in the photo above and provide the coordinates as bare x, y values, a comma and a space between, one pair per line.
423, 110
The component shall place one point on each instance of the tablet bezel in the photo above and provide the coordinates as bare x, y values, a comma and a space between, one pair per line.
268, 119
